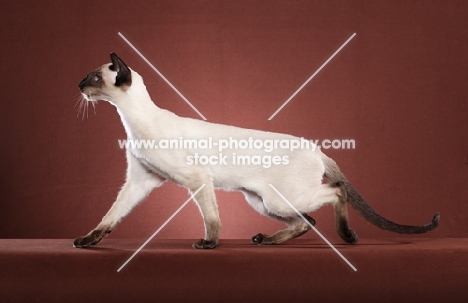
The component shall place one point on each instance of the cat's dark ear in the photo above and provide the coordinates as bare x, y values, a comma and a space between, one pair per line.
124, 75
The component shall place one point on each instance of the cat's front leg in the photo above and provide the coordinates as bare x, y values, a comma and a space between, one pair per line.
139, 184
206, 201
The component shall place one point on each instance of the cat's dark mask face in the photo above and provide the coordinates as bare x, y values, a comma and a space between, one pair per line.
93, 79
106, 82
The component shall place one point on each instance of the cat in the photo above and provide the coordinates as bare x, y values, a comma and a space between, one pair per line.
297, 174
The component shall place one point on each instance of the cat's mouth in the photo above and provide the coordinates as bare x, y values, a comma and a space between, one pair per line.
88, 94
88, 97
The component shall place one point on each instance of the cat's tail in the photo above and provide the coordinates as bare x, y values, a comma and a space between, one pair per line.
334, 175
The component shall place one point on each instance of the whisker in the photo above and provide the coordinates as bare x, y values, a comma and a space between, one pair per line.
94, 103
87, 109
79, 104
82, 106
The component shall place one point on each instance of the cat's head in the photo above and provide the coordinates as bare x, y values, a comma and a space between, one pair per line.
107, 82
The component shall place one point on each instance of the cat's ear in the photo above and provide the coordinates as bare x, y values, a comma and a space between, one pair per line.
124, 75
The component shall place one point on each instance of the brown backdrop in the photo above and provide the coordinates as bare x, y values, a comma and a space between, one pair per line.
398, 88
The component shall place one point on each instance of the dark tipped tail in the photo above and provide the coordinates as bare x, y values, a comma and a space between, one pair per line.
364, 209
333, 174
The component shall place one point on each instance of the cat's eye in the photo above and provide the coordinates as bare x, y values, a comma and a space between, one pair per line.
96, 78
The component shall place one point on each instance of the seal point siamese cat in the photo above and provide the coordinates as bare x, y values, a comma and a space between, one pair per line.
300, 181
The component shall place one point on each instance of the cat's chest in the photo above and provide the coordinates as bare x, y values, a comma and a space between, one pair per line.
137, 142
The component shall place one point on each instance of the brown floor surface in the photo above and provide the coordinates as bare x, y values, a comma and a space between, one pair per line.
388, 270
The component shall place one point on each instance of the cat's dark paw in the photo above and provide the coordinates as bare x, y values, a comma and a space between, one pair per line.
258, 239
204, 244
93, 238
83, 242
351, 237
310, 219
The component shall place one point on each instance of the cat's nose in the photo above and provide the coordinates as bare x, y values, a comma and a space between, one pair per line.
83, 83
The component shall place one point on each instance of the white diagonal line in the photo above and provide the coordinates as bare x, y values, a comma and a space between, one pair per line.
162, 226
313, 227
311, 77
162, 76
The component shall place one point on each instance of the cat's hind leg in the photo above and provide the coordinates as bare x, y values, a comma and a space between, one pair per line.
138, 185
324, 194
296, 228
341, 216
296, 225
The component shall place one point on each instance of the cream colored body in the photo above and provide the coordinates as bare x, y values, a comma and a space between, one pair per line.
299, 180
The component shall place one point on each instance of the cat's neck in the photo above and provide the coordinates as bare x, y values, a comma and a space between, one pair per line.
136, 109
135, 100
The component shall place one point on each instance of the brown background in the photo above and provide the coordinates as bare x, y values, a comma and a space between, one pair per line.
398, 88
